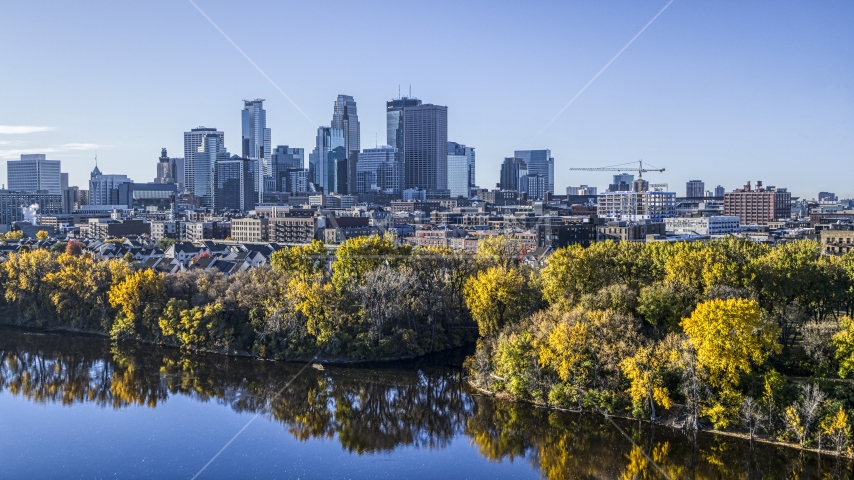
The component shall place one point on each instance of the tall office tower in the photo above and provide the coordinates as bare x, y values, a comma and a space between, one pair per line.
256, 140
104, 189
235, 184
329, 153
394, 120
695, 188
458, 149
63, 181
167, 170
380, 170
540, 162
514, 173
33, 172
425, 148
458, 175
622, 183
204, 166
192, 141
297, 181
346, 117
719, 191
284, 160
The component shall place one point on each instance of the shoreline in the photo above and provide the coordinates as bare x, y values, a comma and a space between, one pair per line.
743, 436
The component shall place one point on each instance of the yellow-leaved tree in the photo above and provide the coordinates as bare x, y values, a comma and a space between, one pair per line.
495, 298
729, 337
645, 369
138, 298
42, 235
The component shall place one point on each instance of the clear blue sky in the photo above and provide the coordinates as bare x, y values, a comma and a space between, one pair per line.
723, 91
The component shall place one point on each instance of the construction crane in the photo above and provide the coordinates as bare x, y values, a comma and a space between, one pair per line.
621, 168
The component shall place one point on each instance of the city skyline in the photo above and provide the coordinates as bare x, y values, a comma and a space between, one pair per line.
722, 93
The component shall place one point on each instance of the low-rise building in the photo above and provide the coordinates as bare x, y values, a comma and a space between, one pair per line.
629, 231
293, 230
837, 240
250, 229
716, 225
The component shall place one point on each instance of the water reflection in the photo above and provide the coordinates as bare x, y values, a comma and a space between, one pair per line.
379, 410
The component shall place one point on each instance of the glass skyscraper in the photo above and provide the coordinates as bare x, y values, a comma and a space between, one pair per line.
346, 118
235, 184
394, 120
459, 149
283, 161
514, 175
380, 170
256, 139
328, 153
192, 141
420, 131
540, 162
204, 165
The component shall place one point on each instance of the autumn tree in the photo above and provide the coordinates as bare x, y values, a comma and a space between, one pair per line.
138, 298
74, 247
14, 235
730, 337
843, 340
495, 298
42, 235
645, 370
359, 255
25, 284
838, 428
301, 259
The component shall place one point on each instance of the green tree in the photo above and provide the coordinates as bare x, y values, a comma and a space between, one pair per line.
165, 242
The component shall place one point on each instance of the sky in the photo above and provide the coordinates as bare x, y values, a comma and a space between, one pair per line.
725, 91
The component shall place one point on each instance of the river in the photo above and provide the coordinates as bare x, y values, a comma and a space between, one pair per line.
83, 407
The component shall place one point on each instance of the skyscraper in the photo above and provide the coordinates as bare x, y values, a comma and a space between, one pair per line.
719, 191
167, 169
394, 120
346, 118
33, 172
540, 162
380, 170
328, 153
192, 141
283, 161
104, 189
695, 188
458, 149
256, 139
235, 184
425, 148
204, 166
514, 172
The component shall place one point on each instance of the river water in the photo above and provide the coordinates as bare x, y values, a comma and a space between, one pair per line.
83, 407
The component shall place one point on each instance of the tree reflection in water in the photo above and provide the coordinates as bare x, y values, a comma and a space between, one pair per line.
381, 409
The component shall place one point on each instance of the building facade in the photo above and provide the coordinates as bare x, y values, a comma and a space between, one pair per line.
380, 170
655, 206
695, 188
346, 118
758, 206
235, 184
459, 149
283, 161
513, 174
714, 225
104, 189
205, 159
193, 140
539, 162
328, 153
33, 173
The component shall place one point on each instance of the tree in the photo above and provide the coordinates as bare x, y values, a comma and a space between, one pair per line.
359, 255
665, 304
42, 235
750, 416
499, 250
495, 298
302, 260
566, 352
165, 242
843, 340
645, 370
14, 235
838, 428
74, 247
26, 286
138, 297
384, 296
729, 336
194, 328
128, 257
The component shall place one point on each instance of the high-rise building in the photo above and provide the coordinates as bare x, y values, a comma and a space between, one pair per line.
204, 165
394, 120
167, 169
192, 141
758, 206
535, 186
425, 148
458, 149
297, 181
256, 140
33, 173
235, 184
345, 117
328, 153
540, 162
695, 188
283, 161
104, 189
514, 173
380, 170
622, 183
827, 197
458, 176
719, 191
